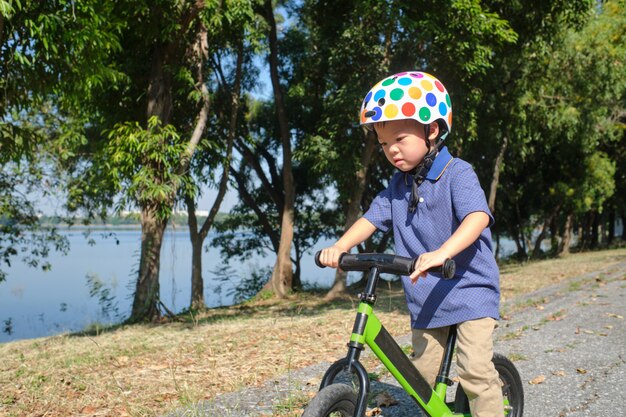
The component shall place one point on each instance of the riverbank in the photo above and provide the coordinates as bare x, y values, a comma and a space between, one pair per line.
150, 369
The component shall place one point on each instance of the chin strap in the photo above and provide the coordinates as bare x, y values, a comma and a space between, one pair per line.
418, 175
419, 172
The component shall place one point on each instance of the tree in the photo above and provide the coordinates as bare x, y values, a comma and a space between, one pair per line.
205, 158
361, 43
282, 275
154, 124
52, 56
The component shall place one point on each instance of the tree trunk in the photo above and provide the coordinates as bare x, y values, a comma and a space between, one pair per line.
146, 300
595, 230
546, 224
497, 236
249, 200
495, 178
197, 237
554, 235
611, 227
354, 208
282, 275
197, 282
567, 235
518, 235
153, 221
539, 240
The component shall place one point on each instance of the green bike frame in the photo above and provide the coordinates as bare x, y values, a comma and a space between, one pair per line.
369, 331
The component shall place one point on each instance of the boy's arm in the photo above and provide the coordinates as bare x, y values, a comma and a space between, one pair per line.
357, 233
469, 230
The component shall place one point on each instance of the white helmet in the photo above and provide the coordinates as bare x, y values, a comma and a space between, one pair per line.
408, 95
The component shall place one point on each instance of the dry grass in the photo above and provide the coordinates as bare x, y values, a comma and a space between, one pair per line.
146, 370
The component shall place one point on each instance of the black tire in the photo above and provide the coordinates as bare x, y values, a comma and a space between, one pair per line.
512, 389
333, 400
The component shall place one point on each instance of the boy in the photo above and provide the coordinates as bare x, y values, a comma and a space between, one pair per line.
437, 210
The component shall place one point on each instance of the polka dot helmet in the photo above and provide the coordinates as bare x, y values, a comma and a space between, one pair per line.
407, 95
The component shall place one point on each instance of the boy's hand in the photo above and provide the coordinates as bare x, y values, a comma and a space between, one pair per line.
330, 256
425, 262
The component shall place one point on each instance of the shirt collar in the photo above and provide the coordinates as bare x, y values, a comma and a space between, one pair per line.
441, 162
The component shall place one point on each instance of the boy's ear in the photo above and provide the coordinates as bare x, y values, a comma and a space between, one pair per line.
434, 131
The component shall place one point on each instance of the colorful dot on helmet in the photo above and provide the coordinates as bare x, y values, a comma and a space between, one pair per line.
417, 75
443, 109
439, 86
378, 113
405, 81
427, 85
391, 111
367, 99
389, 81
408, 109
431, 100
415, 93
379, 94
396, 94
424, 114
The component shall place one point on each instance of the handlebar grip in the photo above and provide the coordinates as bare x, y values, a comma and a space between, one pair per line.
448, 269
317, 259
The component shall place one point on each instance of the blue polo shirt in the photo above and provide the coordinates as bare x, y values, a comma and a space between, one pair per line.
450, 192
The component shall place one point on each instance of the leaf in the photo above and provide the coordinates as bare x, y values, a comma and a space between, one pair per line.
537, 380
384, 399
581, 371
558, 373
373, 412
89, 410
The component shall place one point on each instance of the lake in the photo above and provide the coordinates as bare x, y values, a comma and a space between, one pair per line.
94, 283
35, 303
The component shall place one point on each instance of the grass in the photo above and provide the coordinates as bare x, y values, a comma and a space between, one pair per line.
146, 370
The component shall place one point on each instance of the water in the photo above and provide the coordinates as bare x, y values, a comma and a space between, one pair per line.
94, 283
34, 303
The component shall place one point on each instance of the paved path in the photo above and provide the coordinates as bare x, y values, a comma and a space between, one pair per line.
571, 336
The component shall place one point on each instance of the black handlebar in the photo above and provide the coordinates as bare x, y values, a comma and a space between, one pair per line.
387, 263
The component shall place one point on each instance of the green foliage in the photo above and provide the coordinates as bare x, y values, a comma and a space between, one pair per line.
243, 287
22, 237
52, 56
100, 291
144, 163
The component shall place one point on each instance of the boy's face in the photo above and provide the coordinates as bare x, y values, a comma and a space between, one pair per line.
403, 142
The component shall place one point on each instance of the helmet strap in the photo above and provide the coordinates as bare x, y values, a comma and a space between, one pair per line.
419, 172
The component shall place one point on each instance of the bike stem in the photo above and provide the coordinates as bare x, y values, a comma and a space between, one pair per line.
443, 380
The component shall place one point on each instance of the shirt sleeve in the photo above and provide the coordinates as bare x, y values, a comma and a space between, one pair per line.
467, 194
379, 213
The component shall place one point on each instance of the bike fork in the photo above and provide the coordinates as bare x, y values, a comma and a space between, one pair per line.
351, 363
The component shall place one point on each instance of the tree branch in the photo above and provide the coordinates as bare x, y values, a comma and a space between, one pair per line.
232, 129
251, 203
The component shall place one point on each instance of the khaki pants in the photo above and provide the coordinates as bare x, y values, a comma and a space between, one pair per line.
475, 369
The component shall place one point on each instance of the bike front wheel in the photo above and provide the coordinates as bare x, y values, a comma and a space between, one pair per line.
512, 389
335, 400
